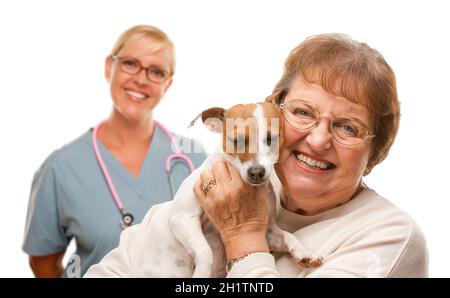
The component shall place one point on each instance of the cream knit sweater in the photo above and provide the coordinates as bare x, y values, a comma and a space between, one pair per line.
366, 237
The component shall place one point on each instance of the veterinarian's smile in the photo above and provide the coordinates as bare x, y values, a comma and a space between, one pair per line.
136, 96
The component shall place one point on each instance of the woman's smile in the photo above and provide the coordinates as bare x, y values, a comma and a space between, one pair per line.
135, 96
305, 165
313, 164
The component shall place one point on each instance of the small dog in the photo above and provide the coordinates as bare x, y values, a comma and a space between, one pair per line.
185, 244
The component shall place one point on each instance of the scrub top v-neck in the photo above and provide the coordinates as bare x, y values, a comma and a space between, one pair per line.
70, 199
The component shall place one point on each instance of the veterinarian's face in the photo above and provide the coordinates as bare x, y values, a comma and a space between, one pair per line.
135, 96
311, 187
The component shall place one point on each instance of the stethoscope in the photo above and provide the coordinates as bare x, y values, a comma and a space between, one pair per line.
127, 218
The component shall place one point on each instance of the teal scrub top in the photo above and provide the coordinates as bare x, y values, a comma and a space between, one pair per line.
70, 198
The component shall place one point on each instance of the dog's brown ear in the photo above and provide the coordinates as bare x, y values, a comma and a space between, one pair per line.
277, 96
212, 118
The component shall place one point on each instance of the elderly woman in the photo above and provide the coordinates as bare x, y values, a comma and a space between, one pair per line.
110, 176
339, 99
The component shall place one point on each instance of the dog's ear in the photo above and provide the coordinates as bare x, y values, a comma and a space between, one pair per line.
212, 118
277, 96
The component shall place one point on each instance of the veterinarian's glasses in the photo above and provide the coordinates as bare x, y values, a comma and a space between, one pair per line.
132, 66
346, 131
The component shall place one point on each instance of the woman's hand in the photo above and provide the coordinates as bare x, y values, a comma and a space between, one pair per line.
238, 210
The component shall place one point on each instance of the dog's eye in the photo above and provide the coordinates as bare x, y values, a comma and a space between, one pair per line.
271, 139
239, 142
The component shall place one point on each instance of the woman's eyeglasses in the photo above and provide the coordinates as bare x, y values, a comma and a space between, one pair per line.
346, 131
132, 66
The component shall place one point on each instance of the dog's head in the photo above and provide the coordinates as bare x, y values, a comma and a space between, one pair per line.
251, 137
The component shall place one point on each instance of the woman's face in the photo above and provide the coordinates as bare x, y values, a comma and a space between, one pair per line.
308, 189
135, 96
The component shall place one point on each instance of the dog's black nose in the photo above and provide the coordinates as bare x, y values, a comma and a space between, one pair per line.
256, 173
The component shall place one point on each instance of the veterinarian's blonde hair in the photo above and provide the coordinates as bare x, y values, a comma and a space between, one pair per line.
345, 67
136, 34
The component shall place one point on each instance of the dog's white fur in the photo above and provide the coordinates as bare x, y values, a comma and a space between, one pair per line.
185, 242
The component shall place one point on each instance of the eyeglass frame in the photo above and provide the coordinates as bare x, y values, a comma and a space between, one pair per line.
364, 139
119, 59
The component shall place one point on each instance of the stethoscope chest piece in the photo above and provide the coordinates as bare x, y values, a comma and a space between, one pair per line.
127, 220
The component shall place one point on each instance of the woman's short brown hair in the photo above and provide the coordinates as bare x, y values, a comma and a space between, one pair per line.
347, 68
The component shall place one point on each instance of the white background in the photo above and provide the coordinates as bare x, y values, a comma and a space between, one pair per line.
52, 87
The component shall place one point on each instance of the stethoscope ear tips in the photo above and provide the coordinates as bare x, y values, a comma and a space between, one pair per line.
127, 220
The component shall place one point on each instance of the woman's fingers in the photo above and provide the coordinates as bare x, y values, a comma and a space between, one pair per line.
226, 174
208, 181
220, 170
207, 175
198, 192
233, 172
232, 205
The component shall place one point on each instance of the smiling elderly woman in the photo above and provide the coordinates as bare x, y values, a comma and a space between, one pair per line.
339, 100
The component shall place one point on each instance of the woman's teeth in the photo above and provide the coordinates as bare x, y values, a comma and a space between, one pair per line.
323, 165
136, 94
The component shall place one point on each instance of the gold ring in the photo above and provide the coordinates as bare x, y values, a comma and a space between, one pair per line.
208, 185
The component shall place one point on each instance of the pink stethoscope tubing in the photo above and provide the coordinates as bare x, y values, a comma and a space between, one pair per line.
127, 218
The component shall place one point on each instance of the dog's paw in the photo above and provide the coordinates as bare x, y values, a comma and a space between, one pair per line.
310, 262
306, 262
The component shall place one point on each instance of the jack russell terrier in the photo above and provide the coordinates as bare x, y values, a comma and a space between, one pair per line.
184, 242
